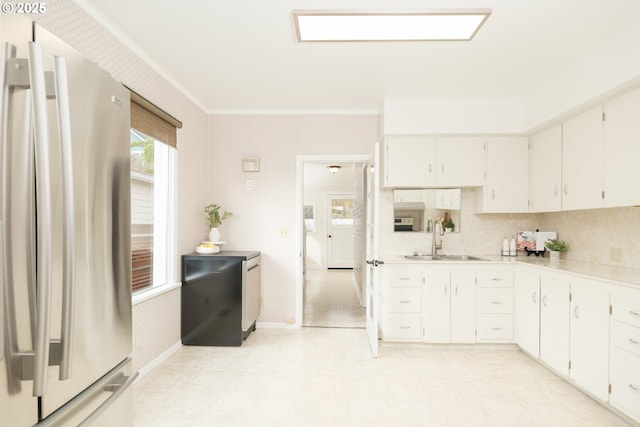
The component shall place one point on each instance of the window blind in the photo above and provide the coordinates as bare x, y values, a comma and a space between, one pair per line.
153, 121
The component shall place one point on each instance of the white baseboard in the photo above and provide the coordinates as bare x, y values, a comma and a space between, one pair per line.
275, 325
158, 360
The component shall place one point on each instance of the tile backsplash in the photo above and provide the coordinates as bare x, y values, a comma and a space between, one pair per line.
603, 236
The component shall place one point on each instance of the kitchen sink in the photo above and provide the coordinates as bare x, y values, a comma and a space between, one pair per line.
460, 258
444, 258
423, 257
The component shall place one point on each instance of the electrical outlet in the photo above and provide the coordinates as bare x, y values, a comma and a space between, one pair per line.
249, 184
615, 254
284, 232
261, 302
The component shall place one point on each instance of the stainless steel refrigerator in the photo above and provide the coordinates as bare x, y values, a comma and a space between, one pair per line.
65, 264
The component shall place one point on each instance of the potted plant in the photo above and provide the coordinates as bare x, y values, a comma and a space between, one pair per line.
555, 246
448, 225
215, 219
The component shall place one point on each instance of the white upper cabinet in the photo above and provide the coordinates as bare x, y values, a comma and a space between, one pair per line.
506, 188
546, 170
582, 161
460, 161
410, 161
621, 153
422, 161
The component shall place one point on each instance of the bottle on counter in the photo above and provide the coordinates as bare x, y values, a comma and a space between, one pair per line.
505, 247
512, 247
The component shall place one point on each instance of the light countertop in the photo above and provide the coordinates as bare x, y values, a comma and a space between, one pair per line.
624, 275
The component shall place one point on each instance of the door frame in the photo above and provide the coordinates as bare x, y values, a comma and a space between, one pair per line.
301, 160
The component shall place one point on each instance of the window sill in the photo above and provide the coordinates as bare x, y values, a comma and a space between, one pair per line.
148, 294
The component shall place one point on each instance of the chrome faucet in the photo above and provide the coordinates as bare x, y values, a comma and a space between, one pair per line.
437, 229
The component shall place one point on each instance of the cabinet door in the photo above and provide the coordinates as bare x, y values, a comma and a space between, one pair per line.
546, 170
463, 306
460, 161
589, 337
436, 303
621, 173
554, 323
528, 312
582, 161
410, 161
507, 184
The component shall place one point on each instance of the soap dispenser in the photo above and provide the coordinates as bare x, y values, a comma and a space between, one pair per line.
505, 247
512, 247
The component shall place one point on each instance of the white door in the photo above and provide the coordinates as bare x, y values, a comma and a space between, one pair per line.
528, 312
372, 298
340, 231
589, 336
437, 306
463, 306
554, 323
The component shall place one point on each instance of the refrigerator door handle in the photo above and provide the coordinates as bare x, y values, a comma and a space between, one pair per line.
117, 389
68, 272
44, 226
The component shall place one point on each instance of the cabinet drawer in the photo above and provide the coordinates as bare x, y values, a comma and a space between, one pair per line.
403, 277
402, 300
626, 306
495, 327
495, 300
625, 382
626, 337
494, 279
401, 326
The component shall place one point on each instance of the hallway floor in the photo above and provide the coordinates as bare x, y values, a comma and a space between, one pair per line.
330, 300
326, 377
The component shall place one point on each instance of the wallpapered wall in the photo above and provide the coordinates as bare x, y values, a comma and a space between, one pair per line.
264, 217
156, 322
262, 213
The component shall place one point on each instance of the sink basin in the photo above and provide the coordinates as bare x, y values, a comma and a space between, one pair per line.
444, 258
460, 258
423, 257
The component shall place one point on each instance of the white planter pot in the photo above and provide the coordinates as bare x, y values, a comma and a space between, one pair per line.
554, 255
214, 234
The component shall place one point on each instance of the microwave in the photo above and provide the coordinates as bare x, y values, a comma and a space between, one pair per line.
403, 224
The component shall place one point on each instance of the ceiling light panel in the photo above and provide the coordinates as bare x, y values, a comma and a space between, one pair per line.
440, 25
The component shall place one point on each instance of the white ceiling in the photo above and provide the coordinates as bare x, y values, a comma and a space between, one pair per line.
242, 56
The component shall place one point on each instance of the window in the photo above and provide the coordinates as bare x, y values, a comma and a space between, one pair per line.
152, 210
153, 195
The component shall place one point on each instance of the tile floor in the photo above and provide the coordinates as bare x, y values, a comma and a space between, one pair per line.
330, 300
326, 377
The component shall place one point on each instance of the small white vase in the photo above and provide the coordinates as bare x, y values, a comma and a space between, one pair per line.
214, 234
554, 255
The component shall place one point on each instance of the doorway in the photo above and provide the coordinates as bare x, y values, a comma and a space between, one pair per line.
329, 283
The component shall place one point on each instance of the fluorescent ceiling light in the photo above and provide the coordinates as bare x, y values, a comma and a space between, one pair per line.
432, 25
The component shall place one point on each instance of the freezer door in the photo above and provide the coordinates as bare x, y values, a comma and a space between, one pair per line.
106, 403
18, 407
101, 310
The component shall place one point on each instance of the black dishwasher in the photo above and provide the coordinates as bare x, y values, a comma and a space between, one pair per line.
220, 297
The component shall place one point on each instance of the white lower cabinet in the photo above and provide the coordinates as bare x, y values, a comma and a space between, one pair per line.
589, 336
463, 306
494, 309
554, 323
625, 351
528, 312
401, 316
449, 305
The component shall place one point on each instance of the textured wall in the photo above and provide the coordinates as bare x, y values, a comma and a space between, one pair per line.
154, 320
591, 234
265, 216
